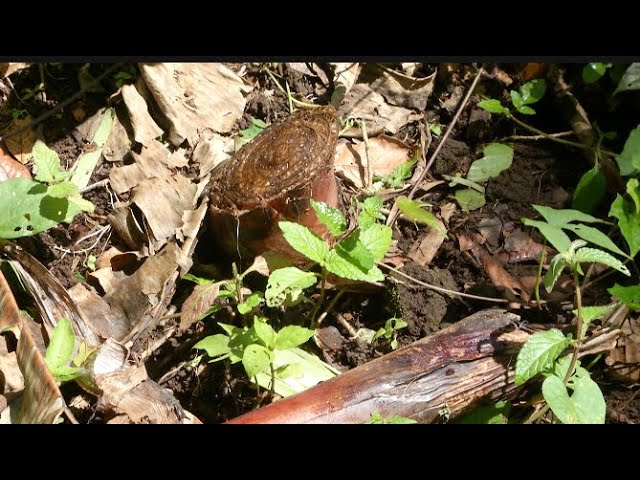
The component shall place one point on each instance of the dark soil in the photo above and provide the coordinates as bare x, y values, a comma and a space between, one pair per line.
542, 173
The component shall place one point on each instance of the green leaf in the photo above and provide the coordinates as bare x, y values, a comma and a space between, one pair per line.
630, 295
104, 129
592, 72
628, 222
292, 336
556, 395
497, 158
533, 91
469, 199
65, 373
554, 235
590, 191
285, 286
594, 235
492, 105
630, 79
377, 240
629, 159
47, 163
304, 241
591, 313
216, 346
249, 133
561, 218
516, 99
83, 168
488, 415
251, 302
61, 347
414, 211
593, 255
525, 110
589, 403
556, 266
331, 217
457, 179
353, 250
634, 192
344, 268
255, 359
369, 212
239, 340
377, 419
401, 173
539, 353
84, 352
265, 332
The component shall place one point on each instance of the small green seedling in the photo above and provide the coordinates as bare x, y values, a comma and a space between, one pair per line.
400, 174
390, 331
528, 94
60, 350
249, 133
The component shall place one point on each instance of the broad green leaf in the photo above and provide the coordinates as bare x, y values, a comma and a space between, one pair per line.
554, 234
342, 267
628, 222
369, 212
592, 72
353, 250
231, 330
556, 395
377, 240
560, 218
65, 373
28, 208
62, 190
265, 332
556, 266
593, 255
634, 192
630, 79
526, 110
495, 414
285, 286
240, 340
457, 179
216, 346
591, 313
331, 217
492, 105
630, 295
83, 168
414, 211
629, 159
469, 199
296, 371
588, 402
539, 353
533, 91
497, 158
594, 235
516, 99
590, 191
61, 347
251, 302
47, 164
292, 336
255, 359
104, 129
304, 241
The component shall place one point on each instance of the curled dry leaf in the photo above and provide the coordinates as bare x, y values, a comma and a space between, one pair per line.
402, 89
385, 154
196, 96
196, 304
152, 162
144, 127
423, 251
21, 144
10, 168
365, 103
273, 178
7, 69
345, 76
212, 149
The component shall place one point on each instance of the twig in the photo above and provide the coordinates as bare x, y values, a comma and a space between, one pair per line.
324, 314
391, 220
72, 418
102, 183
538, 137
443, 290
365, 137
348, 327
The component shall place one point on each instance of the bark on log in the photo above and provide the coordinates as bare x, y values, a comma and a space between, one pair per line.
456, 369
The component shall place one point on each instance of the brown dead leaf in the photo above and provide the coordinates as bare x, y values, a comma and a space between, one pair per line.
385, 154
196, 304
94, 308
423, 251
151, 162
624, 360
345, 76
447, 210
365, 103
7, 69
118, 144
21, 144
144, 127
10, 168
491, 230
401, 89
212, 150
196, 96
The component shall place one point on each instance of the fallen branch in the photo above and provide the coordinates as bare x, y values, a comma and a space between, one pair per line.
454, 370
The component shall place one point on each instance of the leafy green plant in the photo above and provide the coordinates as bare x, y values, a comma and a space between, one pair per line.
254, 346
528, 94
348, 254
60, 350
390, 331
125, 76
592, 72
497, 158
399, 174
377, 419
413, 210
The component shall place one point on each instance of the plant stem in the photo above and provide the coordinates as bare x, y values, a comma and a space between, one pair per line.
273, 379
322, 295
289, 96
334, 300
539, 275
579, 333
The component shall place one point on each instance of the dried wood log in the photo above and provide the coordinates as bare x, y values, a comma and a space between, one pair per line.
454, 370
273, 178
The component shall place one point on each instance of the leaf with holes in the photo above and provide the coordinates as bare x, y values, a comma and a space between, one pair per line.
285, 286
539, 353
331, 217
